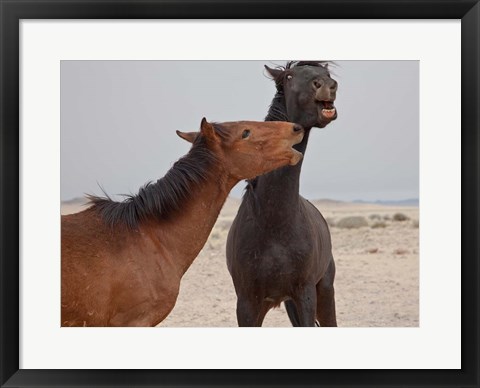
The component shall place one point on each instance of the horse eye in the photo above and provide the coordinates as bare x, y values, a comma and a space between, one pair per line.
245, 134
289, 77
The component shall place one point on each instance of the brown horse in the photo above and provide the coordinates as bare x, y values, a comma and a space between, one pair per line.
122, 262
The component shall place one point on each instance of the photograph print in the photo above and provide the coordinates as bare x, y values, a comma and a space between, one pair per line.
272, 193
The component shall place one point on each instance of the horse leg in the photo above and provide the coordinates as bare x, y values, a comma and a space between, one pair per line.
250, 311
326, 298
306, 303
263, 312
292, 312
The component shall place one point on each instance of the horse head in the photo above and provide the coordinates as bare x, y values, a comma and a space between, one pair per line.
309, 92
247, 148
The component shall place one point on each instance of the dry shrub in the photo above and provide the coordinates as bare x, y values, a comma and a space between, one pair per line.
400, 217
386, 217
379, 224
354, 222
375, 217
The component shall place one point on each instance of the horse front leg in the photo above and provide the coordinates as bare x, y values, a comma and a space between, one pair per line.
250, 311
306, 303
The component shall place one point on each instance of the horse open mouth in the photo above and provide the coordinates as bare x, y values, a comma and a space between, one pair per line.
327, 110
299, 138
296, 157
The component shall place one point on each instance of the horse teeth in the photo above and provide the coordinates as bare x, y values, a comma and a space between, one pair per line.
328, 112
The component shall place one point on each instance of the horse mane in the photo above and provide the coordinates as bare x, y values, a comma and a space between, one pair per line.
167, 195
291, 64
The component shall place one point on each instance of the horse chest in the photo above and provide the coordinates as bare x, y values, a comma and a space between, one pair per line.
288, 249
278, 262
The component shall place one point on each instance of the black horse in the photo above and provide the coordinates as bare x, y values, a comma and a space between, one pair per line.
279, 247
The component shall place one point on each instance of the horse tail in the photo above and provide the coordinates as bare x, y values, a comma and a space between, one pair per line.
293, 314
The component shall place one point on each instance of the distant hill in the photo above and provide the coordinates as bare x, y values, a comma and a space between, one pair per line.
404, 202
323, 201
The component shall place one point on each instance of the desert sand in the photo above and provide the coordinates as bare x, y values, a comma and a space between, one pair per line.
377, 280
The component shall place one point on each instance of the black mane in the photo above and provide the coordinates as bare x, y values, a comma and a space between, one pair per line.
164, 197
291, 64
277, 110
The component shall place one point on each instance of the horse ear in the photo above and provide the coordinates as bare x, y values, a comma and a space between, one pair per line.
188, 136
207, 129
275, 73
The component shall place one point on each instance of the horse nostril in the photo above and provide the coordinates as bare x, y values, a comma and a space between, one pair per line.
318, 84
297, 128
333, 86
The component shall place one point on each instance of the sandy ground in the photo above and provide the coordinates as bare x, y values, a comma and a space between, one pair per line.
377, 271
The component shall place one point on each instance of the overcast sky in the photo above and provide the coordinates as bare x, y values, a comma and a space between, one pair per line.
118, 122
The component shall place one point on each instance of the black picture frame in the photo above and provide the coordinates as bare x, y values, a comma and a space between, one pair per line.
12, 11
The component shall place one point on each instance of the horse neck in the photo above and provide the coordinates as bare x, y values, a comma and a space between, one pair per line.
278, 112
280, 188
186, 232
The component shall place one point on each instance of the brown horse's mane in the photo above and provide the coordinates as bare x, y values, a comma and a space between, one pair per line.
165, 196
